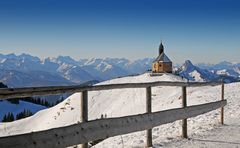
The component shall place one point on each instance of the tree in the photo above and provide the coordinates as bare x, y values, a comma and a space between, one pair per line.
4, 118
13, 101
3, 85
9, 117
38, 101
24, 114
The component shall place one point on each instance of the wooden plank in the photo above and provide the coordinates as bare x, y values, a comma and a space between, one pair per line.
6, 93
149, 110
84, 111
108, 86
103, 128
184, 105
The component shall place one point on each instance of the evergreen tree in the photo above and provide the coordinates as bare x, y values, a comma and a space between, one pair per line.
9, 117
3, 85
25, 113
4, 118
38, 101
14, 101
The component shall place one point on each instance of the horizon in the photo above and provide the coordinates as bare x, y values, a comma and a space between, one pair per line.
201, 31
176, 64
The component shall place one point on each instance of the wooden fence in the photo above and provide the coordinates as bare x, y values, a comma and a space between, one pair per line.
87, 131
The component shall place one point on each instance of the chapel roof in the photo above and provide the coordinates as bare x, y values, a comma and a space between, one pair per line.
163, 58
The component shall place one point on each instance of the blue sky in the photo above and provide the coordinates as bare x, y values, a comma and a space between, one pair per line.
199, 30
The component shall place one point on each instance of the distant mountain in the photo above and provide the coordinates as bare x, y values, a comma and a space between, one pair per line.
26, 70
194, 73
222, 71
74, 73
32, 78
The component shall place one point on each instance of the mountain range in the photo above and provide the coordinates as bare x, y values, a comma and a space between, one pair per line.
203, 72
25, 70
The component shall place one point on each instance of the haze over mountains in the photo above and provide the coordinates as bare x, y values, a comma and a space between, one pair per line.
26, 70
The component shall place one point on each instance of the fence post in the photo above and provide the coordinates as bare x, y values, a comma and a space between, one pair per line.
149, 110
222, 109
184, 104
84, 111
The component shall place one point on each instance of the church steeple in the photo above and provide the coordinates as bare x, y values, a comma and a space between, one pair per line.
161, 48
162, 63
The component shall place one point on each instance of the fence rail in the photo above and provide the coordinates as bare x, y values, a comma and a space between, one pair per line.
104, 128
6, 93
87, 131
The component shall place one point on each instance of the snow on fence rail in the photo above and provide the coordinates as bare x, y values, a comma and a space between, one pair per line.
103, 128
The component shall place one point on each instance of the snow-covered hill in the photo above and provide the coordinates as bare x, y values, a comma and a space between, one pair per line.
194, 73
16, 106
100, 102
6, 107
122, 102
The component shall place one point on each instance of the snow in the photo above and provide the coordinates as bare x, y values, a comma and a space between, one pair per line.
194, 73
162, 57
2, 60
70, 71
224, 136
221, 137
196, 76
103, 66
170, 133
122, 102
6, 107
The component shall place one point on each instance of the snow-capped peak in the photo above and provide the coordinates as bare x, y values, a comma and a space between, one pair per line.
194, 73
187, 66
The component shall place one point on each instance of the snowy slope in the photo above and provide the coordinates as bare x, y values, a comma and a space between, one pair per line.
171, 132
122, 102
194, 73
100, 102
6, 107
